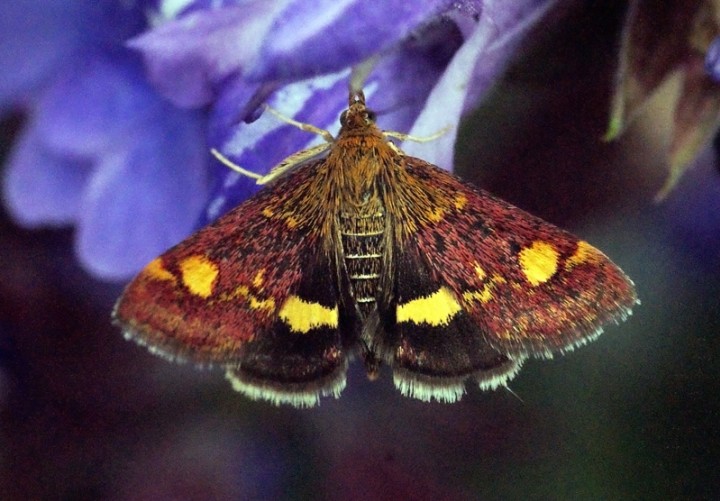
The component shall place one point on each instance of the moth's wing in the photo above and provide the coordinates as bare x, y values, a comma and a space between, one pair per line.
495, 285
253, 292
434, 345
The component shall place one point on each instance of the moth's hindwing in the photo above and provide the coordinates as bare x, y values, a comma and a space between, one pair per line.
252, 292
432, 342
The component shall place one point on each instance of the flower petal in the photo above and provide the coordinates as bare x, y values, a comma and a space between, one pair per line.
445, 103
470, 74
144, 197
321, 36
93, 104
511, 18
41, 188
402, 80
712, 60
33, 39
396, 90
37, 36
187, 57
513, 22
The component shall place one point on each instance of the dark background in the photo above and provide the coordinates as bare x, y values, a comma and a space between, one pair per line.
634, 415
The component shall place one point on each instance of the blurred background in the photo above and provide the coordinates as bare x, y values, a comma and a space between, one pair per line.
634, 415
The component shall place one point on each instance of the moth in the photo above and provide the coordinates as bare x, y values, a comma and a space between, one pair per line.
370, 253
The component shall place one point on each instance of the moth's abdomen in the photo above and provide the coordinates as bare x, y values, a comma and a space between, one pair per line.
363, 246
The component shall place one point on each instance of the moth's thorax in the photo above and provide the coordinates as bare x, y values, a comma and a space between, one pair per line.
360, 162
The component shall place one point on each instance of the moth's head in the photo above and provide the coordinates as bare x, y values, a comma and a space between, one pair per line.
357, 117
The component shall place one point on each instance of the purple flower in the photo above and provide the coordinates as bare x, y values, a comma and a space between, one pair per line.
100, 148
435, 59
712, 60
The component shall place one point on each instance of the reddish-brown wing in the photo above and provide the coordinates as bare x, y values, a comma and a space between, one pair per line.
220, 290
529, 287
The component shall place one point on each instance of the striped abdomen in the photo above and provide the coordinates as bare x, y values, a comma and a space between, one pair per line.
363, 245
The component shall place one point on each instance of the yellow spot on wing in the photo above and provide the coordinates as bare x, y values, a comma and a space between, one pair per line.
199, 275
480, 272
255, 302
157, 271
259, 279
436, 215
584, 253
303, 316
436, 309
539, 262
261, 304
291, 222
485, 294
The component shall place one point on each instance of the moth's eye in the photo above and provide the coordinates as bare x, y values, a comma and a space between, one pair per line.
343, 117
371, 116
